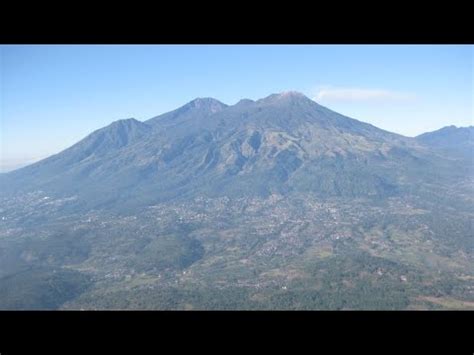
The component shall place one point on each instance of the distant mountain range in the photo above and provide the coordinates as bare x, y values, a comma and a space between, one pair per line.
278, 203
284, 143
451, 140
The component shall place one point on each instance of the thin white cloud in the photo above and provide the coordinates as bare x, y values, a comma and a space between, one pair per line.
329, 93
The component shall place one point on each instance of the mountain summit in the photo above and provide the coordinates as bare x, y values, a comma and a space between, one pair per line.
197, 108
285, 95
284, 98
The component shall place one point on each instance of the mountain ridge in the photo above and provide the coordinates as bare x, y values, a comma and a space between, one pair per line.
452, 141
283, 143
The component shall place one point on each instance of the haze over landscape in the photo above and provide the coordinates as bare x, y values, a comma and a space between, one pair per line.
271, 201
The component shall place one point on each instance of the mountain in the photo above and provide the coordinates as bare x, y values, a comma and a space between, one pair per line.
198, 108
458, 141
278, 203
283, 143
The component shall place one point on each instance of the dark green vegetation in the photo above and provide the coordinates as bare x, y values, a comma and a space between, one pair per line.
35, 288
274, 204
352, 282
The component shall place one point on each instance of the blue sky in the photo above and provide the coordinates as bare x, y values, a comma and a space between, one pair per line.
53, 96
